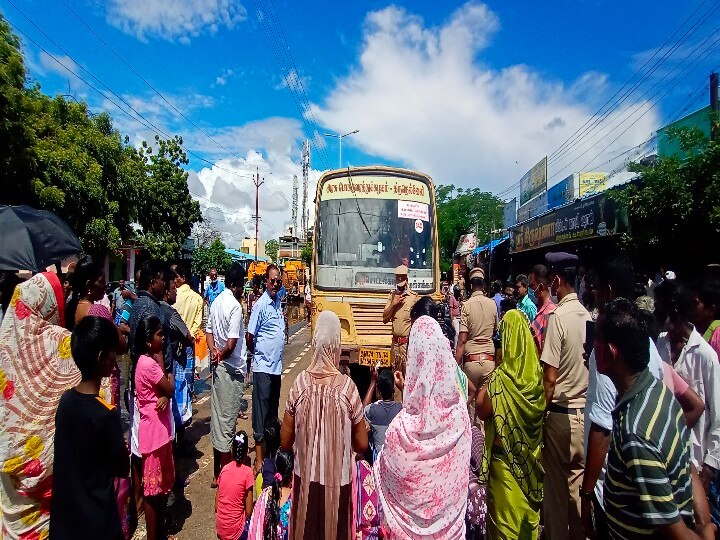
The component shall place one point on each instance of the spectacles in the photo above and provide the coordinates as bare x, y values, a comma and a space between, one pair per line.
275, 280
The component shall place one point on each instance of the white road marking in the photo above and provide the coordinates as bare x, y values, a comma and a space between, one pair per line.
293, 365
202, 400
286, 371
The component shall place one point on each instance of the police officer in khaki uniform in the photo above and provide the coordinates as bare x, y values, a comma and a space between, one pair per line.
565, 380
397, 310
475, 350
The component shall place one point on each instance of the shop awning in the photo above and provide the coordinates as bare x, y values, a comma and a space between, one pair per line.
240, 256
491, 245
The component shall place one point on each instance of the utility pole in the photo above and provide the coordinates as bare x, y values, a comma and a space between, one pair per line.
257, 183
306, 177
714, 105
295, 205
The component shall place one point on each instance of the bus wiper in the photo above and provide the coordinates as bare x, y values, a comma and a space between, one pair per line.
358, 205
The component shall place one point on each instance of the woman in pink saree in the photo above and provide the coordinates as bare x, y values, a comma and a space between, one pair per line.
422, 471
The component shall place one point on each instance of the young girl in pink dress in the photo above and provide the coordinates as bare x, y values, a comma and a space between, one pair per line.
154, 389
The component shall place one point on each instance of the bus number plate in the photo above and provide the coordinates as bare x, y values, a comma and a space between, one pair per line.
371, 357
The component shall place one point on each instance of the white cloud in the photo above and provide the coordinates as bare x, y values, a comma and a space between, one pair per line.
294, 81
270, 147
177, 19
61, 65
222, 79
422, 96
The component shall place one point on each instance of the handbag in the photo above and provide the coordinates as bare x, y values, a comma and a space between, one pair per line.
127, 509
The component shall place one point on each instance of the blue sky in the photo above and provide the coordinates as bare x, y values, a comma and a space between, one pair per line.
472, 93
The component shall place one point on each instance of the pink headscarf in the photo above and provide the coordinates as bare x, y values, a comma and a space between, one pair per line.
422, 471
326, 346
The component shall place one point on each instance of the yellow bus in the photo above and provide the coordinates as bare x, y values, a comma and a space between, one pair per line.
368, 221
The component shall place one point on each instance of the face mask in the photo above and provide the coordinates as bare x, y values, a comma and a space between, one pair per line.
531, 294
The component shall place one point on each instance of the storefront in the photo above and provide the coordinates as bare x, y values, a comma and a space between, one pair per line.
588, 227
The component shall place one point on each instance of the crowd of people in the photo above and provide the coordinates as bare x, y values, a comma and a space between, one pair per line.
523, 410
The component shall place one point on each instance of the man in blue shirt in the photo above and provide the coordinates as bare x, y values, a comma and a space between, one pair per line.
525, 302
266, 338
214, 289
498, 296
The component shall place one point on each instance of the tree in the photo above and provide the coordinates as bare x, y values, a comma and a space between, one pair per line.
204, 232
212, 256
17, 159
461, 214
271, 249
57, 155
307, 253
674, 206
169, 211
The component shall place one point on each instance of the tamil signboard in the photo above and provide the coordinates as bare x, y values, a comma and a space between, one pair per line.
510, 213
534, 182
563, 192
584, 219
592, 183
534, 207
467, 243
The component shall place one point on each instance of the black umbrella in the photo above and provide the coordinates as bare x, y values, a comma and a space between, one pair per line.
33, 239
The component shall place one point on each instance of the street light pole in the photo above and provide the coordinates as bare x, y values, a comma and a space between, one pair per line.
340, 138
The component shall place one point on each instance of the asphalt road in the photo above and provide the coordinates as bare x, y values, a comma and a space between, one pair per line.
191, 509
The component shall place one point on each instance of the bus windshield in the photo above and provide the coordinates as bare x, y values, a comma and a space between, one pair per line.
362, 236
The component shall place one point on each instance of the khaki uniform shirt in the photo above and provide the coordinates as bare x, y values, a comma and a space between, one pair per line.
401, 320
563, 349
479, 318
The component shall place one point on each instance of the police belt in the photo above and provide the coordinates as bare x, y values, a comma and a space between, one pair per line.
400, 340
479, 357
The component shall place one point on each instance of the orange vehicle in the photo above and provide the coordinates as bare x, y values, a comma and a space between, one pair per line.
294, 276
369, 220
256, 268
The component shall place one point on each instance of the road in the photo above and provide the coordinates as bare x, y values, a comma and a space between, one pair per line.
192, 515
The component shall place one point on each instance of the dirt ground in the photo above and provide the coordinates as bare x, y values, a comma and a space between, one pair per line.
191, 508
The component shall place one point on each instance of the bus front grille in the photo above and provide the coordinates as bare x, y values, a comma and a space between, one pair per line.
368, 320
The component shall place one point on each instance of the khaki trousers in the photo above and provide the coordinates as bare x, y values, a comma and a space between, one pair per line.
478, 372
563, 457
398, 355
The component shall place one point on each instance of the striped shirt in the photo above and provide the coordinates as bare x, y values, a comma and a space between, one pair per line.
648, 481
538, 326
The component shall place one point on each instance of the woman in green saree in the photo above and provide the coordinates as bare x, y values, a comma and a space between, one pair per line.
512, 405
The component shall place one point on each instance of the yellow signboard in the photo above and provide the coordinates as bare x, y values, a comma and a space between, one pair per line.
592, 183
374, 357
375, 187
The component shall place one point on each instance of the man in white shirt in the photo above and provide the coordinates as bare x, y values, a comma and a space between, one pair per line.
615, 280
696, 361
225, 331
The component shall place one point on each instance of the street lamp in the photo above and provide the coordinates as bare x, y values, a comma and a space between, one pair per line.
340, 138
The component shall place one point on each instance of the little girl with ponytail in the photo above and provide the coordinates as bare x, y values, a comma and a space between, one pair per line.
272, 512
234, 499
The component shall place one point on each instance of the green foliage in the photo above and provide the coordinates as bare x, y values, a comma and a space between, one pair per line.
212, 256
17, 159
169, 211
58, 156
674, 208
306, 254
271, 249
460, 211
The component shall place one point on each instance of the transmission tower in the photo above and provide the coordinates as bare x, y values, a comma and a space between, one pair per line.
305, 173
295, 205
